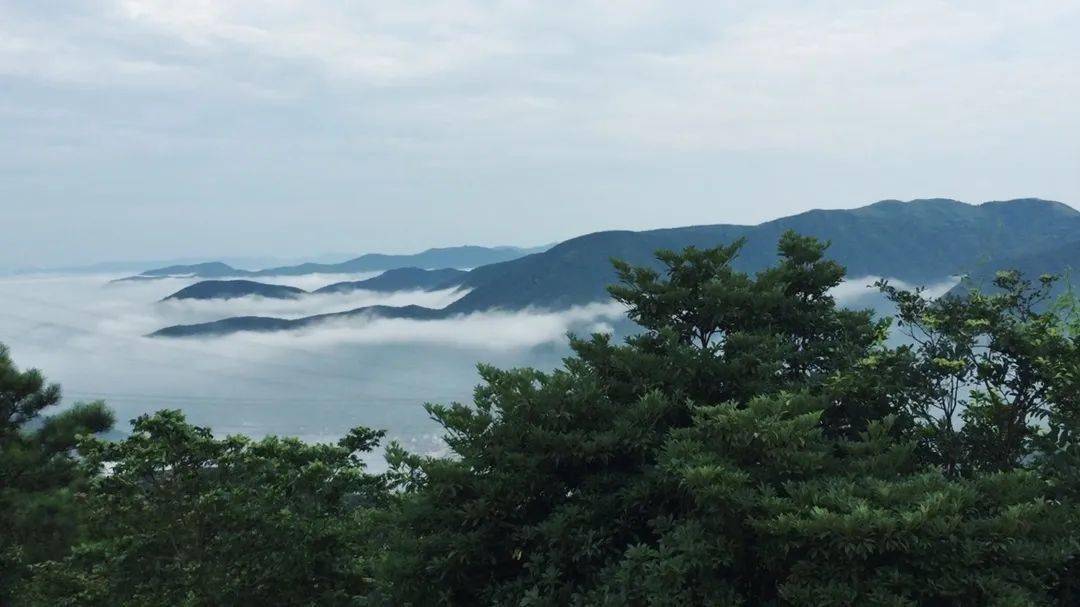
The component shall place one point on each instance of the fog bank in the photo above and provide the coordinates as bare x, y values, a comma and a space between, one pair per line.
314, 383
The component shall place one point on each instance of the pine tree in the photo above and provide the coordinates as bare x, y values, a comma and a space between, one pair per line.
38, 475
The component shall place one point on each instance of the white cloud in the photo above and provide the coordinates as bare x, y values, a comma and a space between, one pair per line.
513, 122
315, 383
704, 75
494, 331
378, 43
858, 77
856, 291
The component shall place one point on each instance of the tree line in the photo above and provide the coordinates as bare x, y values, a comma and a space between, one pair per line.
754, 444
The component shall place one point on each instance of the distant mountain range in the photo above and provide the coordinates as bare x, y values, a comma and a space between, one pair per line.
402, 279
451, 257
920, 241
232, 289
399, 279
266, 324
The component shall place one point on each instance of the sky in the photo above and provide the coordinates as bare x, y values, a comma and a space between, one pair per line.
156, 129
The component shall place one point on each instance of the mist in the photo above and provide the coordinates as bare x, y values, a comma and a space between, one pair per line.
88, 334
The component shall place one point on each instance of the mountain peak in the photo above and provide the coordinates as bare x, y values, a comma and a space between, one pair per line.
1032, 204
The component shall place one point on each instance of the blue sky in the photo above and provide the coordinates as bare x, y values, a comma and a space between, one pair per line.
173, 128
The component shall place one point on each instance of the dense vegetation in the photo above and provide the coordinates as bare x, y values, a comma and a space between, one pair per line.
755, 444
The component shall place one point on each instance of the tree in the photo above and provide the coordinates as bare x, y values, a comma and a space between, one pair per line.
177, 517
714, 334
755, 445
994, 368
557, 474
38, 474
776, 513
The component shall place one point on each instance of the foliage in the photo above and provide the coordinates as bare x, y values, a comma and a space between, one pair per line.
755, 444
558, 475
177, 517
994, 369
714, 334
777, 514
37, 473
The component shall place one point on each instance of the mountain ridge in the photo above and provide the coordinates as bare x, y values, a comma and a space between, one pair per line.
918, 241
467, 256
233, 289
266, 324
401, 279
398, 279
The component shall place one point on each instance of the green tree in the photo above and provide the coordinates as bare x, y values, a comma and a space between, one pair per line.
755, 445
557, 474
775, 513
38, 474
177, 517
714, 334
993, 370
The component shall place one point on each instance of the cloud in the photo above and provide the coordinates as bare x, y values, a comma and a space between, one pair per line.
322, 124
88, 335
192, 311
698, 74
856, 77
495, 331
314, 383
859, 290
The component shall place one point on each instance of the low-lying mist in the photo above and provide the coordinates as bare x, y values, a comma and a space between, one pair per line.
315, 383
87, 334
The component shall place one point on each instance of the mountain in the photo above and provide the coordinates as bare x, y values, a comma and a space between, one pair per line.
213, 269
920, 241
450, 257
231, 289
917, 241
268, 324
1061, 259
401, 279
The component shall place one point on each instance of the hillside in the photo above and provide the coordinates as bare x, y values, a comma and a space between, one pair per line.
917, 241
213, 269
268, 324
231, 289
1060, 259
920, 241
401, 279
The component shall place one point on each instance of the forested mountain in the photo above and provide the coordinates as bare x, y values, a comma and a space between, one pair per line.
231, 289
401, 279
800, 459
1061, 259
267, 323
212, 269
920, 241
448, 257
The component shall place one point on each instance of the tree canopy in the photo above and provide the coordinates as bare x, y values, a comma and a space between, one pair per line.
38, 475
754, 444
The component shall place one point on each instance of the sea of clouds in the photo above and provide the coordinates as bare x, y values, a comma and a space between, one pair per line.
88, 334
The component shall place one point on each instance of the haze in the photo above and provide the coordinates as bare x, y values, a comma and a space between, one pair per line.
87, 334
152, 129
